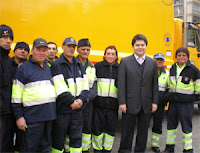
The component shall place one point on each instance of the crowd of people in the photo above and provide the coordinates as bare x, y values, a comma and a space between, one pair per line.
67, 104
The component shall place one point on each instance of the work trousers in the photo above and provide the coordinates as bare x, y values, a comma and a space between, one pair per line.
103, 128
71, 123
158, 117
7, 128
37, 137
127, 132
180, 112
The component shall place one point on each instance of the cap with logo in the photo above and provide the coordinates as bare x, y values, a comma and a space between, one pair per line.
159, 55
40, 42
69, 41
84, 42
6, 31
22, 45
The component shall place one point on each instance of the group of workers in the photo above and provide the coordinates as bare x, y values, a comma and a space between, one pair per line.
67, 104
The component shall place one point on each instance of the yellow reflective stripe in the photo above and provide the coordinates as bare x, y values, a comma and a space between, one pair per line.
75, 150
197, 87
66, 144
53, 150
187, 141
155, 139
17, 91
171, 135
97, 141
60, 84
91, 73
72, 86
106, 88
86, 141
108, 141
39, 92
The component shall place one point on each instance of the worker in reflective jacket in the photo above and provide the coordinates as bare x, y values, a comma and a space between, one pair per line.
158, 115
34, 100
71, 84
83, 50
184, 89
105, 112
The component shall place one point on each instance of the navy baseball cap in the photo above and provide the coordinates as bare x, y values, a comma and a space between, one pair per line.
159, 55
70, 41
40, 42
6, 31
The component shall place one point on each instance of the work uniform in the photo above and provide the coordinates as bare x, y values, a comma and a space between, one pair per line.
7, 120
88, 111
105, 112
184, 84
158, 116
71, 83
33, 97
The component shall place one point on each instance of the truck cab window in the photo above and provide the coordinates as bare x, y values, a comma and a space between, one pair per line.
191, 38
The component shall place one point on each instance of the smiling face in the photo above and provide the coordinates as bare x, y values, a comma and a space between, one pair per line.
182, 58
139, 48
5, 42
110, 56
39, 54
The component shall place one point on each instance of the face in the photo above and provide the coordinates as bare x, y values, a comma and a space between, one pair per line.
84, 52
6, 42
110, 56
182, 58
21, 53
68, 50
52, 51
39, 54
139, 48
160, 62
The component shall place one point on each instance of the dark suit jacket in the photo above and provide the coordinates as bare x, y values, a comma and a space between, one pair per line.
134, 89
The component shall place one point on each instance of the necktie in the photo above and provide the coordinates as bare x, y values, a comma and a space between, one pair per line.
140, 61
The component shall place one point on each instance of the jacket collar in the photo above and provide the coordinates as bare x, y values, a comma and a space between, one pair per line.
64, 60
188, 63
4, 51
105, 63
88, 63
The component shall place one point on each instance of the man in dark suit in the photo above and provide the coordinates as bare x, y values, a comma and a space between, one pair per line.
137, 95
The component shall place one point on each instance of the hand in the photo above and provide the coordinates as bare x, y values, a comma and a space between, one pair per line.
154, 107
76, 104
21, 124
123, 108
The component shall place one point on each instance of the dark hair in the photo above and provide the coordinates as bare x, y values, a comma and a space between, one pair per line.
184, 50
111, 47
52, 43
139, 37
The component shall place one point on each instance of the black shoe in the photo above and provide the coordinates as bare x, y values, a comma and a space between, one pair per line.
156, 149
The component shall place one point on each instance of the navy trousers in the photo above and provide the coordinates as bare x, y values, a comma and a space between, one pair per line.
68, 123
7, 128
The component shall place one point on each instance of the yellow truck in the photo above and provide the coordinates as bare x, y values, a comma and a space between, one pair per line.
104, 22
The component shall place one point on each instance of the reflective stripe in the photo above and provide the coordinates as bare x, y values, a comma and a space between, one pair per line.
16, 100
171, 135
37, 84
187, 141
155, 139
75, 150
86, 141
18, 83
53, 150
17, 91
60, 84
91, 73
161, 89
108, 141
182, 91
66, 144
106, 88
97, 141
38, 102
107, 94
